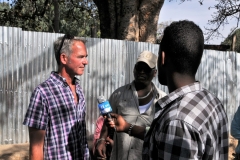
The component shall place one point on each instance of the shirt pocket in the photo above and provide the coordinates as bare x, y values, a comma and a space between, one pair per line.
127, 107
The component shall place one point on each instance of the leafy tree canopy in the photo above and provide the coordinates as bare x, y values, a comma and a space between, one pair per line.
225, 10
77, 17
160, 28
81, 17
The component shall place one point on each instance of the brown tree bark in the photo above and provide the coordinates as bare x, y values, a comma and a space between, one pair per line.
134, 20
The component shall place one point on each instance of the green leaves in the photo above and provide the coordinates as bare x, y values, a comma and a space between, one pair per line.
70, 16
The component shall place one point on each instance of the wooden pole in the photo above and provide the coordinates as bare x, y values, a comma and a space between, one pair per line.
234, 37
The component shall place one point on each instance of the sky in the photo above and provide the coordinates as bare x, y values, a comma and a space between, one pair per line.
192, 10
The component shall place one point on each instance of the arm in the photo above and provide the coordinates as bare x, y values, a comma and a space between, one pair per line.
235, 125
123, 126
183, 141
100, 144
98, 128
36, 137
100, 150
109, 141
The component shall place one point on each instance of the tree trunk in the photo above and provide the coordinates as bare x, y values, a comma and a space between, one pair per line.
234, 37
134, 20
56, 16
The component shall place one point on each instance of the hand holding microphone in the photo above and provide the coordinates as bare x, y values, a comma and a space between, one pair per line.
105, 109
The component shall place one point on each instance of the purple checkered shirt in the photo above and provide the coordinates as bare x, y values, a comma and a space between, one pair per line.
52, 109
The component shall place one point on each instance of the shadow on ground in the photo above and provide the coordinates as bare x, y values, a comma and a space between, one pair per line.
14, 152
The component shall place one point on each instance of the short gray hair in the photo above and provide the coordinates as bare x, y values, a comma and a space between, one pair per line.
66, 46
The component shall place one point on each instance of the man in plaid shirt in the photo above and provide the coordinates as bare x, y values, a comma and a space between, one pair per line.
192, 123
56, 113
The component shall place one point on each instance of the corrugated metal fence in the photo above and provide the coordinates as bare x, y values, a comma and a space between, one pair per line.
27, 59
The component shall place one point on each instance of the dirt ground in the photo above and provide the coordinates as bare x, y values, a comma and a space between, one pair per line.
14, 152
20, 151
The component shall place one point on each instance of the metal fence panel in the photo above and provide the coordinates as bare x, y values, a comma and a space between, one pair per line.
27, 59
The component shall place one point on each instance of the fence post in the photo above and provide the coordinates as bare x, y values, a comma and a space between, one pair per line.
234, 38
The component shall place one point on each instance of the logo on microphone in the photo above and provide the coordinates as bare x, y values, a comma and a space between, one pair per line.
105, 107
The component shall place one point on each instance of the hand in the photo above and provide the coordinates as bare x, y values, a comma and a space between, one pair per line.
109, 141
118, 122
100, 151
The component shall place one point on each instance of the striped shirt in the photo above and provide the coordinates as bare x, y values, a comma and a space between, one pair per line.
52, 108
192, 125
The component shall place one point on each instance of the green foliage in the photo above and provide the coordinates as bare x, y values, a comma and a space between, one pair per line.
4, 6
229, 39
76, 17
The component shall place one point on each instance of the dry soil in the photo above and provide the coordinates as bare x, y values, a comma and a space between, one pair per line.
20, 151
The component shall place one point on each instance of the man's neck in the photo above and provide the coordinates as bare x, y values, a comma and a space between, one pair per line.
69, 79
179, 80
142, 86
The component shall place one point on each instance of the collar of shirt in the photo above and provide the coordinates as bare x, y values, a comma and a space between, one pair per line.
59, 80
163, 102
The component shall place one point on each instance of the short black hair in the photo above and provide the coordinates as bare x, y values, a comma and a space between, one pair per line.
183, 43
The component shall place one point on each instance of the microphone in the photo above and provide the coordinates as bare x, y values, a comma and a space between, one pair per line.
104, 106
105, 109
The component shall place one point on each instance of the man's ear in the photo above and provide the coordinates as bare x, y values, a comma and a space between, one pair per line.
63, 58
163, 58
